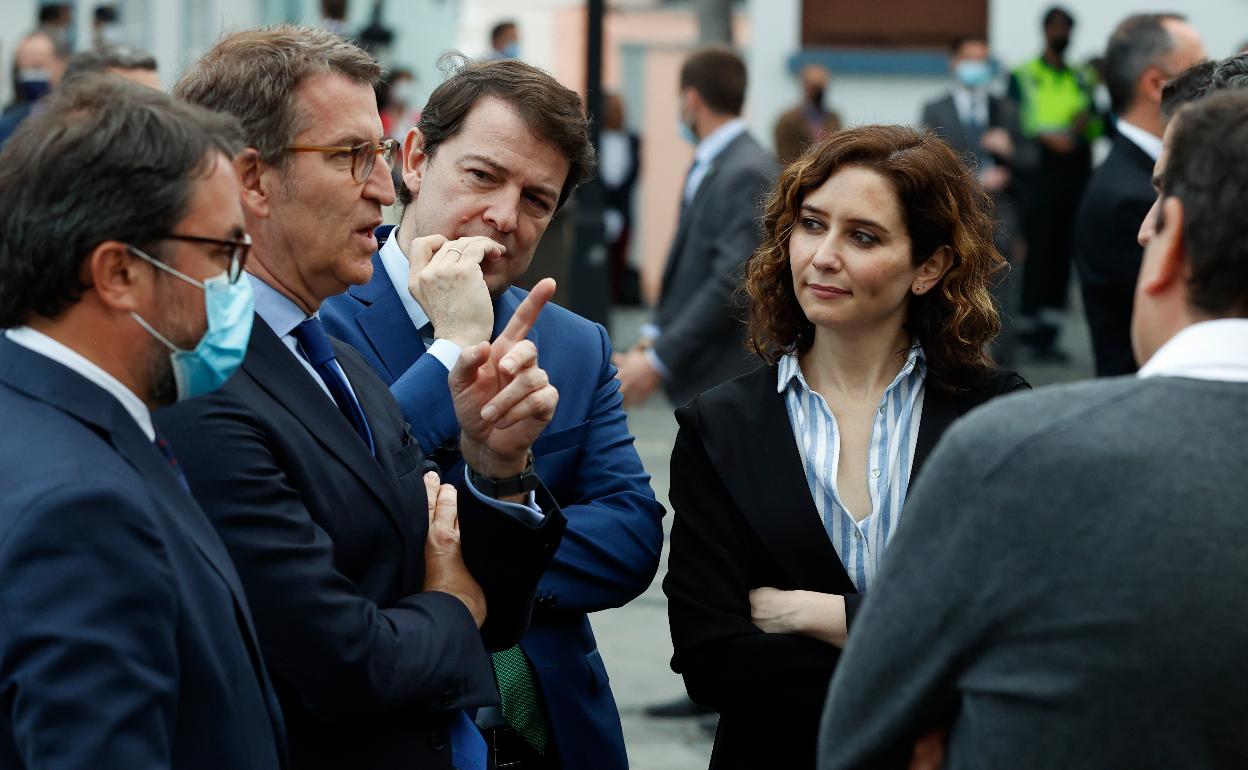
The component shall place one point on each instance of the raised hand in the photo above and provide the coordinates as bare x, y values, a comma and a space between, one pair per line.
445, 278
502, 398
445, 570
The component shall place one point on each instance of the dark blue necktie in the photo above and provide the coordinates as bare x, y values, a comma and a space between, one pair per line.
316, 349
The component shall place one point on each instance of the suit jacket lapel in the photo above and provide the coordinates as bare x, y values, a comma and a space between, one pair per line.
954, 129
46, 380
765, 474
385, 322
689, 209
939, 411
275, 369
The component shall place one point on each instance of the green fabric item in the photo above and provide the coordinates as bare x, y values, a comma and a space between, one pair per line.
518, 694
1051, 98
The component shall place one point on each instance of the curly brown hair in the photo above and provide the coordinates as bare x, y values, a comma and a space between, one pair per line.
943, 205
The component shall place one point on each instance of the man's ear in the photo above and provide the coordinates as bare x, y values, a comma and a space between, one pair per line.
253, 174
115, 275
932, 270
1165, 260
413, 159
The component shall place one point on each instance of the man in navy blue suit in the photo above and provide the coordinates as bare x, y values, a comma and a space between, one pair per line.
125, 638
498, 149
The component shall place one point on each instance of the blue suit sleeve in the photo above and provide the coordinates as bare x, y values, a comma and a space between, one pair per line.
610, 549
88, 654
425, 398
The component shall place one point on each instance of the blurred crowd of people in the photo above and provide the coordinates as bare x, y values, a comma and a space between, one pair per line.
285, 486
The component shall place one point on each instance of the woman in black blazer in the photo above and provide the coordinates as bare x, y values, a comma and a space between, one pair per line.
869, 298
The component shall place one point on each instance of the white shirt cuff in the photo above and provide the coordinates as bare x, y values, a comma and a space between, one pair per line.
656, 362
526, 513
446, 352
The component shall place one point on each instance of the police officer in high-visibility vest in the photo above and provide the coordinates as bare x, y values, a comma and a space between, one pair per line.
1056, 111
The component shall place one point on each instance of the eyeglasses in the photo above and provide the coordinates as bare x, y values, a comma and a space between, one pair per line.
239, 250
363, 156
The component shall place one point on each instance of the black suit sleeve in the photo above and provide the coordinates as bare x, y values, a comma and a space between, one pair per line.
343, 655
728, 663
714, 313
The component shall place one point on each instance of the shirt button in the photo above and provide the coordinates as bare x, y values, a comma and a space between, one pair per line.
857, 534
881, 409
875, 473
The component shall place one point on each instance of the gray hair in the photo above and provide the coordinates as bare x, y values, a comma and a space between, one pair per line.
253, 75
1137, 43
109, 57
1231, 74
106, 159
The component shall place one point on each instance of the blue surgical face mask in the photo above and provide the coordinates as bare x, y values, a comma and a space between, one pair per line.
33, 84
220, 351
973, 73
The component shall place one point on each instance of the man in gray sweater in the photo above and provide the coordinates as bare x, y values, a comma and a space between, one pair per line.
1070, 587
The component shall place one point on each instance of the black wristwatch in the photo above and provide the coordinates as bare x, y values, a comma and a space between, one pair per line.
513, 485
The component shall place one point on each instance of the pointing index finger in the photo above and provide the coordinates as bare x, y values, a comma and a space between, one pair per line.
526, 314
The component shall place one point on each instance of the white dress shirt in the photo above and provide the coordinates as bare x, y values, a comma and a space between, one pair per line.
708, 150
44, 345
397, 268
1140, 138
972, 105
1210, 350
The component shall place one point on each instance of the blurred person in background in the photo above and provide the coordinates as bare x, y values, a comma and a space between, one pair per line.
619, 165
809, 121
697, 338
1041, 601
106, 27
38, 65
1144, 52
125, 636
1056, 110
504, 41
984, 127
334, 17
500, 147
869, 299
130, 63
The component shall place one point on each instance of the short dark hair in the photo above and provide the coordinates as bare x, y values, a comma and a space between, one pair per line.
1205, 170
1137, 43
105, 160
956, 44
1231, 73
1191, 84
253, 76
108, 57
52, 13
718, 74
1056, 12
552, 111
500, 29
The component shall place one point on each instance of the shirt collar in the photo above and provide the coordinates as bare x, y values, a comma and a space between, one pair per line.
397, 269
44, 345
788, 370
1210, 350
1140, 138
718, 140
278, 311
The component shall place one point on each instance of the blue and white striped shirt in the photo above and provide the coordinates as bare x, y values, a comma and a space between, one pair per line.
860, 544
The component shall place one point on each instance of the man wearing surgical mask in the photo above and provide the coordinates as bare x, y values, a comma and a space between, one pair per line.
980, 124
125, 636
37, 69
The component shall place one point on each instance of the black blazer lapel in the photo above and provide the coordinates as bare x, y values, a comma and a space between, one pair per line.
939, 411
763, 471
274, 368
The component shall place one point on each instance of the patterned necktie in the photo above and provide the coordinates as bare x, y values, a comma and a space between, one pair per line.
518, 695
316, 349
